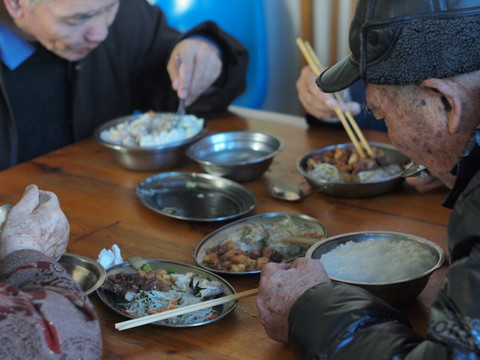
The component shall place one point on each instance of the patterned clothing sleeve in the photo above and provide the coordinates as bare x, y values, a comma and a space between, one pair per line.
43, 312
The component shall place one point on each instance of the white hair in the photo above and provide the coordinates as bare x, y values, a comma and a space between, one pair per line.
32, 3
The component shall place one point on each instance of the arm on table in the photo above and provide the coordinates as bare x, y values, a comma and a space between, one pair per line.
43, 312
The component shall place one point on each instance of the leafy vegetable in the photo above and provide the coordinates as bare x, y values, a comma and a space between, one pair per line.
191, 184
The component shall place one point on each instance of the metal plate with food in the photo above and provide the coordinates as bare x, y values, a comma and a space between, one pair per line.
163, 285
150, 141
244, 246
337, 170
195, 196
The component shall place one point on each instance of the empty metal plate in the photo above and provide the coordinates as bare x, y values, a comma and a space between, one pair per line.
195, 196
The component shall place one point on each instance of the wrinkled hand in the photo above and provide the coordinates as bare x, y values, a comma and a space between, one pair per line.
200, 67
35, 222
280, 286
317, 103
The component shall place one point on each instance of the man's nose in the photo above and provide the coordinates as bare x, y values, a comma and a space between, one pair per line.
97, 33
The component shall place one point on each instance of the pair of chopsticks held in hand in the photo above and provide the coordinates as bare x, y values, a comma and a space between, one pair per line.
346, 118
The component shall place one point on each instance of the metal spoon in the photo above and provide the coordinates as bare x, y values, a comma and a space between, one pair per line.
181, 102
413, 170
288, 192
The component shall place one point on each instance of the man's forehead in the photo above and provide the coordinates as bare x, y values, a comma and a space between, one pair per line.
65, 8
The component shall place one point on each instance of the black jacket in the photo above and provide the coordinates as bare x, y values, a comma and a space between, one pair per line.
337, 321
128, 72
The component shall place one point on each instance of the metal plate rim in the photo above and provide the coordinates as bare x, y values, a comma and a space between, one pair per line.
193, 176
245, 220
228, 290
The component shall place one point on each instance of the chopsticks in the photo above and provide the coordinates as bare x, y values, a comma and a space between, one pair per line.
182, 310
317, 68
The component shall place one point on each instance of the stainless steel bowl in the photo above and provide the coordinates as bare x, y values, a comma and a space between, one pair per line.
238, 155
394, 292
146, 158
86, 272
354, 189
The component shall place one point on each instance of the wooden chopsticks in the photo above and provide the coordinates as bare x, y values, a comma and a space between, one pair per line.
360, 143
183, 310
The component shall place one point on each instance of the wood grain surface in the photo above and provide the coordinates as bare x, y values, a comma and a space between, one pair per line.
99, 199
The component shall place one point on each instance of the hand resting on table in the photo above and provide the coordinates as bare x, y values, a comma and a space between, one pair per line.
280, 286
36, 222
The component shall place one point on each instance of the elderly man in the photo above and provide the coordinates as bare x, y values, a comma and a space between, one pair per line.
419, 60
69, 65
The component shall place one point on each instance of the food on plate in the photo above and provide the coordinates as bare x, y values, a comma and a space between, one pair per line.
153, 129
250, 246
147, 292
343, 164
377, 260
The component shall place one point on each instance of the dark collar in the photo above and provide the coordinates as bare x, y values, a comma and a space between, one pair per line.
466, 167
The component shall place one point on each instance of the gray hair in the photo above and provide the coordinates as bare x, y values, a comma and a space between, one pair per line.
32, 3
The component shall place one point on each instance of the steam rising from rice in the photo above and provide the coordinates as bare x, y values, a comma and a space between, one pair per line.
377, 260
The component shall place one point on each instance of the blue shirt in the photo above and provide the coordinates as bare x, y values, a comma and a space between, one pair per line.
13, 49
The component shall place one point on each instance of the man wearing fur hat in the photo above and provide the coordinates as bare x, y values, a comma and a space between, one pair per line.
420, 63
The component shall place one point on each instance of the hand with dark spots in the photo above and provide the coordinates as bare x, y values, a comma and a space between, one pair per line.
36, 222
280, 287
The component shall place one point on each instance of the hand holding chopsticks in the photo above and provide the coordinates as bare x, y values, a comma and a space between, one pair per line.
183, 310
361, 143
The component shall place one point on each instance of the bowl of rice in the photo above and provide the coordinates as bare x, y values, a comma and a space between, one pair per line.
338, 171
393, 266
150, 141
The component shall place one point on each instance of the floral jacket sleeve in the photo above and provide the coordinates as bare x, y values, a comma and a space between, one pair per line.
43, 312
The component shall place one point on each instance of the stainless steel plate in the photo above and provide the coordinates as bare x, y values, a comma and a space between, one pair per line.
223, 234
115, 303
195, 196
354, 189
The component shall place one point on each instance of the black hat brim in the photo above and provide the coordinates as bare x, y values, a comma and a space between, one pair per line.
339, 76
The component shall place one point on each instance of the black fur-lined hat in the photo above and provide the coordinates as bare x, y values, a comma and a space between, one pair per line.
399, 42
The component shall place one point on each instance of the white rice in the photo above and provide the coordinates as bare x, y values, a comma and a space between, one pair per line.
152, 129
377, 260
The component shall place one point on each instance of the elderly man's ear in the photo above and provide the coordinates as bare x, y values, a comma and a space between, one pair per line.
14, 7
447, 98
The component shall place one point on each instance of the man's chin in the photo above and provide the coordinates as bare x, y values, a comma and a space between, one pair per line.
73, 55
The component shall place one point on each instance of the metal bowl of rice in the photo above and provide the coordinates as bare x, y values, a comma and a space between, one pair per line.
146, 142
327, 179
393, 266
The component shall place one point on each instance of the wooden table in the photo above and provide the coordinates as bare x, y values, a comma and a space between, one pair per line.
99, 199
